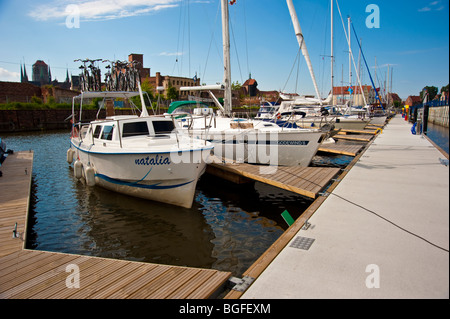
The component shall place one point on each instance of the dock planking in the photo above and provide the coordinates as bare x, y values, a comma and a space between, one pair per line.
341, 149
354, 137
306, 181
26, 274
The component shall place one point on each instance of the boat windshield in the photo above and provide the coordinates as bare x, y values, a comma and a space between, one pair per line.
135, 129
163, 127
266, 109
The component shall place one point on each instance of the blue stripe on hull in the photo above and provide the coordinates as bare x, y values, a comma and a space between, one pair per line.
134, 184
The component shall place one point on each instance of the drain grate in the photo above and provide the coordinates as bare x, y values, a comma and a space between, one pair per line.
302, 243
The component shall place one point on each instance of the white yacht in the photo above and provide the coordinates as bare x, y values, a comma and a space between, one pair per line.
247, 140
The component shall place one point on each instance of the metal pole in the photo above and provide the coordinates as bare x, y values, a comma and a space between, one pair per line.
226, 58
332, 52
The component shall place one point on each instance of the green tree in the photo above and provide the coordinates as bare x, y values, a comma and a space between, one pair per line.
444, 89
172, 93
236, 85
431, 90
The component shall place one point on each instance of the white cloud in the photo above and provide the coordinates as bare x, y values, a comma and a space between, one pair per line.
97, 10
6, 75
425, 9
433, 6
171, 53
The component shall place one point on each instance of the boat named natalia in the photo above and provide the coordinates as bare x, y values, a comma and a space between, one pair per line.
143, 156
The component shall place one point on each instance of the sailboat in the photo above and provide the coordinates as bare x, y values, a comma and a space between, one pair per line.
248, 140
315, 112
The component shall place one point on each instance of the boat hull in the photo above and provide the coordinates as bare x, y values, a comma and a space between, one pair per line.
164, 177
282, 148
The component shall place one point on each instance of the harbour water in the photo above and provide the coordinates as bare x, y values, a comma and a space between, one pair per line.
439, 135
228, 227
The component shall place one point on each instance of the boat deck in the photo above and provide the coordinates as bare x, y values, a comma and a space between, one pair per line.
28, 273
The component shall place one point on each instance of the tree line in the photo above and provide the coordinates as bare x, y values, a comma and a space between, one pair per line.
433, 92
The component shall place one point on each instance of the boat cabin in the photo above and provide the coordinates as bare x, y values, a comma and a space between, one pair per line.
128, 128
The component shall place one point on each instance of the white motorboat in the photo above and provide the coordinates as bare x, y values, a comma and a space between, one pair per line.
142, 156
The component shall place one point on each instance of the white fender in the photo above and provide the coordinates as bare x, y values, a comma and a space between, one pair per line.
90, 176
78, 169
70, 153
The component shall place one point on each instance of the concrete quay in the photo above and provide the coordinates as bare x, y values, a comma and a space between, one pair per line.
382, 233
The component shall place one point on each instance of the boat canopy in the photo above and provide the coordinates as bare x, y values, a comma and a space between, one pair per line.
174, 105
105, 94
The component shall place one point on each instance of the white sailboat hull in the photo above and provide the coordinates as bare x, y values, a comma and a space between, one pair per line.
285, 148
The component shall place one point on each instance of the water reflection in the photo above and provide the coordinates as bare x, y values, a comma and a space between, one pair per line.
439, 135
227, 228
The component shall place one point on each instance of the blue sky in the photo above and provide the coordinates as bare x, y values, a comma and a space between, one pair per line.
183, 37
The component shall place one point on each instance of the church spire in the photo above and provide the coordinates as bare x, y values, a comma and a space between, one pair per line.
25, 76
49, 75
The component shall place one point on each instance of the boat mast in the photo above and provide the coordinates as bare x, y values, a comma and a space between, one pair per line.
349, 54
227, 100
332, 54
301, 42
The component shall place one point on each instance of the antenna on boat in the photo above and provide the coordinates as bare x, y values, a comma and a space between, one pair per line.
144, 108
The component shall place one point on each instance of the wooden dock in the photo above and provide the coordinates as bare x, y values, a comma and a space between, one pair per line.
28, 273
306, 181
341, 149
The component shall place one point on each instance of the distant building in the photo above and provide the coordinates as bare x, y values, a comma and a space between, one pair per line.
392, 98
344, 94
23, 74
41, 73
250, 87
18, 92
144, 72
166, 81
413, 100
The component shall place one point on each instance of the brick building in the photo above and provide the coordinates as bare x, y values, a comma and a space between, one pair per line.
18, 92
41, 73
144, 72
413, 100
343, 94
166, 81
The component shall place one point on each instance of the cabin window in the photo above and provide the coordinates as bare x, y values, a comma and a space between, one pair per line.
97, 131
107, 132
163, 127
135, 129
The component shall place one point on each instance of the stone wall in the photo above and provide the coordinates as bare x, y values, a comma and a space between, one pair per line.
439, 115
18, 92
35, 120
